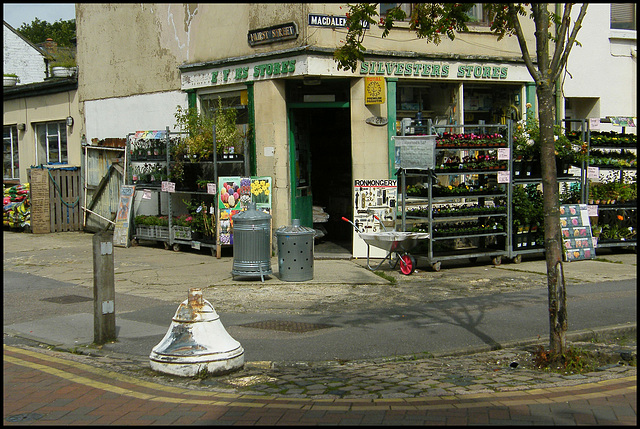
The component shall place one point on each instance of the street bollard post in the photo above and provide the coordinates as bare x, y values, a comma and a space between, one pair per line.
104, 293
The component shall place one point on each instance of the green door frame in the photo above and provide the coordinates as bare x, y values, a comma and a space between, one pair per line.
292, 147
391, 124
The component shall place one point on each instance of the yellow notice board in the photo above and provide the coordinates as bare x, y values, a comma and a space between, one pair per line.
374, 90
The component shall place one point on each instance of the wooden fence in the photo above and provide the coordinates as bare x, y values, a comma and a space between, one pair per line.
55, 199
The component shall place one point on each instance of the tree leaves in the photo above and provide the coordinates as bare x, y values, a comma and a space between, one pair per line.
62, 32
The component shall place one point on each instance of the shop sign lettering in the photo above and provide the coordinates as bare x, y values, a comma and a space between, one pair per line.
374, 182
274, 69
428, 70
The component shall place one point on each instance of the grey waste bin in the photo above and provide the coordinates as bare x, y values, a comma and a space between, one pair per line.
251, 243
295, 252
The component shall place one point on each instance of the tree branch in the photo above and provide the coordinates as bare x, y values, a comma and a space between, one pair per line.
561, 36
513, 14
571, 41
541, 19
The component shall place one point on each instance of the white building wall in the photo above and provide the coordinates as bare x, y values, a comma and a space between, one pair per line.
117, 117
605, 66
21, 58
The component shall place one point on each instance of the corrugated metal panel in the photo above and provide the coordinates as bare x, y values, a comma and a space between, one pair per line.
98, 163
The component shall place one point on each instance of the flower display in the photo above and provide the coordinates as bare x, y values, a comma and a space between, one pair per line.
471, 140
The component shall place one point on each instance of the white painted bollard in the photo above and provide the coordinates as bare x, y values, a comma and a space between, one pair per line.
196, 342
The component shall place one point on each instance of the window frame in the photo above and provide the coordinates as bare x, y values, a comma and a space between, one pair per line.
14, 153
631, 17
62, 145
484, 20
407, 7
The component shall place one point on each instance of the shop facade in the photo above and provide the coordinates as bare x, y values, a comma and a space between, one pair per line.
318, 129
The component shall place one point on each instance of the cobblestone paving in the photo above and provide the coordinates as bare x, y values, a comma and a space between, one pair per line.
505, 370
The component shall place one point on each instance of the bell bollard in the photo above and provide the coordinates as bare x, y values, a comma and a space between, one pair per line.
196, 342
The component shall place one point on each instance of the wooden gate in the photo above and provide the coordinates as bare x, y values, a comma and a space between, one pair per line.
55, 199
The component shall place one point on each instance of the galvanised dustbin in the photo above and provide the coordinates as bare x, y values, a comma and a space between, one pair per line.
251, 243
295, 252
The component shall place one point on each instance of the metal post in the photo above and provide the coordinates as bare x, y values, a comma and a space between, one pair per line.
104, 315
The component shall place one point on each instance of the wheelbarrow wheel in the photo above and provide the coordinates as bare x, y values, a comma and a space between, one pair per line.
407, 264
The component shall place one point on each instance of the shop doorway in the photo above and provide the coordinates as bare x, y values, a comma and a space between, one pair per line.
320, 143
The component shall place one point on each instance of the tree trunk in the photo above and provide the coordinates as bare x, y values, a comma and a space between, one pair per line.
552, 232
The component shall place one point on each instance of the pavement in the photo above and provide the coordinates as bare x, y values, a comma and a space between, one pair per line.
347, 347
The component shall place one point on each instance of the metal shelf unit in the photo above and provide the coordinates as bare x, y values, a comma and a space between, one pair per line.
174, 236
433, 221
628, 211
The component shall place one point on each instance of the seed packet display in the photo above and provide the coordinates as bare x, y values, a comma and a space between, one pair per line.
576, 232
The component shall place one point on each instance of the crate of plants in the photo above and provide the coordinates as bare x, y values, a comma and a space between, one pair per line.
471, 141
181, 228
151, 227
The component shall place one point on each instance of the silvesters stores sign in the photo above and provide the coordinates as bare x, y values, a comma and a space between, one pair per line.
316, 65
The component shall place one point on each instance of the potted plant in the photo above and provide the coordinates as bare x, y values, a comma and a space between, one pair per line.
10, 79
65, 67
229, 139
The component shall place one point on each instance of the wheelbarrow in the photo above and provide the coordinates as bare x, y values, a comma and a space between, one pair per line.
397, 244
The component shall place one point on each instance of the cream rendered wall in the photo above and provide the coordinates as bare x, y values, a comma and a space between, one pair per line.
605, 66
116, 117
232, 22
369, 147
477, 42
45, 108
271, 126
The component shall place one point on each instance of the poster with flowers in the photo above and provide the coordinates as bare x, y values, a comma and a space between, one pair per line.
576, 232
234, 195
261, 192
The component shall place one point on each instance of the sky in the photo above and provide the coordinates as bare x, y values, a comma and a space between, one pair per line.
16, 14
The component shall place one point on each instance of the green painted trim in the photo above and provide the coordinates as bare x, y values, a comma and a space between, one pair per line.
253, 159
338, 104
192, 98
391, 124
292, 165
530, 91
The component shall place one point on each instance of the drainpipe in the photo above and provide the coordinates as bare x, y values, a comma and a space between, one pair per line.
559, 106
391, 124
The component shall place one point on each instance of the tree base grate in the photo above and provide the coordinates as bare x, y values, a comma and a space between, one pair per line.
288, 326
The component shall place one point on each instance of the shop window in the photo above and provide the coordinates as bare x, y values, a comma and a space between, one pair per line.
236, 99
492, 104
51, 143
623, 16
11, 161
435, 101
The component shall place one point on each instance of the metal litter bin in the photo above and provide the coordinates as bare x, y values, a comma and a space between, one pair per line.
295, 252
251, 243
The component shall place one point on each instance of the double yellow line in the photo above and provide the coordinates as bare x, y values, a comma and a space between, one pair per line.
491, 399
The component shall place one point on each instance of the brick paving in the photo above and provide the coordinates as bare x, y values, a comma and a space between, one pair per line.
48, 387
